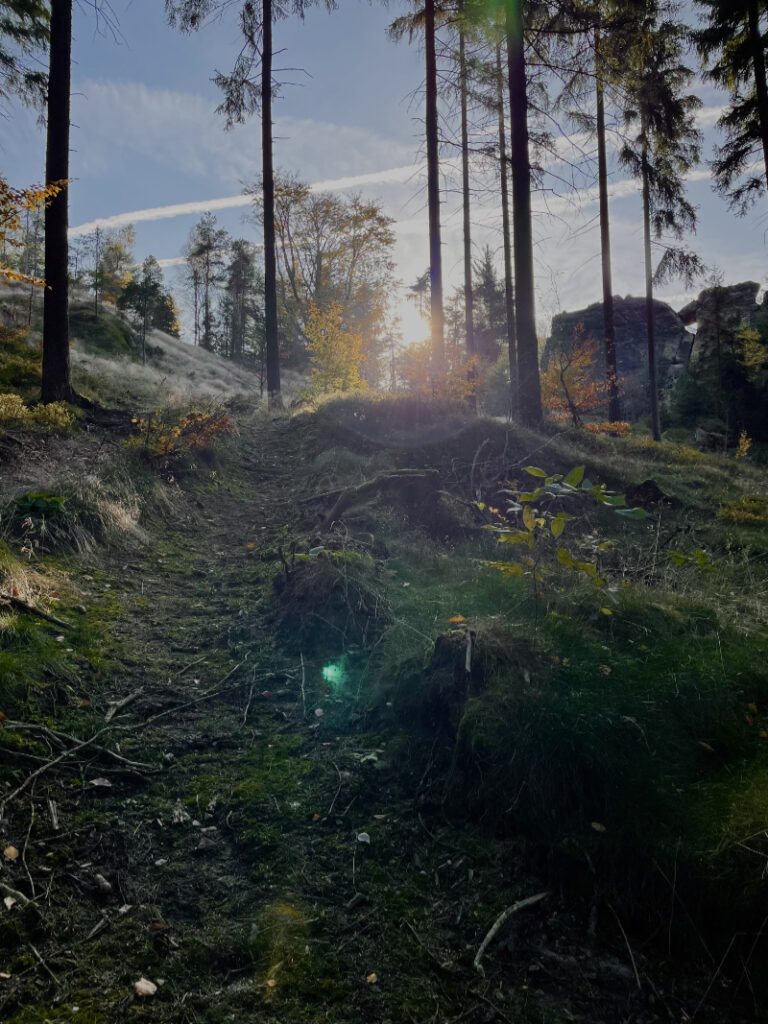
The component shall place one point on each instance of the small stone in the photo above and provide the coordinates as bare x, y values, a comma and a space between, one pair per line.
10, 853
144, 988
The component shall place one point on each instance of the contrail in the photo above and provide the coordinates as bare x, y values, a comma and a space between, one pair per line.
393, 176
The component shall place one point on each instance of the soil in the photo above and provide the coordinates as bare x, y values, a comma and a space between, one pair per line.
273, 857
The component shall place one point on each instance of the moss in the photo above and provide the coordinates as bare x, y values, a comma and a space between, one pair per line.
278, 947
106, 334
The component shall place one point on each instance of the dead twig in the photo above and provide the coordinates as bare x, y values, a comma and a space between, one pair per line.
54, 734
629, 948
499, 923
336, 795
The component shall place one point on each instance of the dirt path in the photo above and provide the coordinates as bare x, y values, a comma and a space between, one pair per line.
271, 865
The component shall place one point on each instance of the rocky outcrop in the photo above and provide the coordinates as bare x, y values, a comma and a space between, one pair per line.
719, 313
673, 344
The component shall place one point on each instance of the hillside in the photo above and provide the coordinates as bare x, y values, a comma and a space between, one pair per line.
283, 743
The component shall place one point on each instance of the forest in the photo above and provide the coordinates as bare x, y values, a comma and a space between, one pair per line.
352, 671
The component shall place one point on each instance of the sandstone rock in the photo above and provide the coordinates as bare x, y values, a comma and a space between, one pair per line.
673, 345
718, 313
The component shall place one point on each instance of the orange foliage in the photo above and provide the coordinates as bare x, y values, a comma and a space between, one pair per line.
14, 202
165, 444
569, 384
616, 428
462, 380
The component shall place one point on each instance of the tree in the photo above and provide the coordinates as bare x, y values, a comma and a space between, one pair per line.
664, 147
465, 189
146, 303
241, 308
205, 256
56, 383
569, 382
509, 295
336, 353
529, 384
18, 205
23, 30
248, 89
733, 41
332, 249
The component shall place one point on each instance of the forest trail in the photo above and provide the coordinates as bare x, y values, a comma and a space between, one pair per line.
276, 862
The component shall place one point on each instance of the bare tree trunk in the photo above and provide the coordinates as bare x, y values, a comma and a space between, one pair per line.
509, 295
761, 87
609, 323
468, 296
274, 398
56, 384
649, 311
433, 195
525, 308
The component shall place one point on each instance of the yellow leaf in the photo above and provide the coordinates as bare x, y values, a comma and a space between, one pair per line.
372, 978
529, 518
457, 618
598, 827
752, 707
606, 611
605, 669
557, 526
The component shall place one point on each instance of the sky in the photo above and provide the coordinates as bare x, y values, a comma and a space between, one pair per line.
146, 137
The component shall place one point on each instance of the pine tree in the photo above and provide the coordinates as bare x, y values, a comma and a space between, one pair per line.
24, 28
733, 40
663, 147
249, 88
56, 383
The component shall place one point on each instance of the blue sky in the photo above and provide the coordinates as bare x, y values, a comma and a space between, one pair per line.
145, 135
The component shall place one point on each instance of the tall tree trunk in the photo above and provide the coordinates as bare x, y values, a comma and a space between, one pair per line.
433, 196
525, 309
56, 384
761, 87
509, 295
609, 323
649, 310
469, 321
274, 398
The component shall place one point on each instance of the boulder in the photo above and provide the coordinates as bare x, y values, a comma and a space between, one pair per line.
673, 345
719, 313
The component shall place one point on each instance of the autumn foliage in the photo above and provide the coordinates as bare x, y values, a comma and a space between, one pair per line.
570, 384
14, 203
336, 353
461, 381
165, 445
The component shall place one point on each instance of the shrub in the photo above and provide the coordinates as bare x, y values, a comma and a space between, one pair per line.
56, 416
166, 445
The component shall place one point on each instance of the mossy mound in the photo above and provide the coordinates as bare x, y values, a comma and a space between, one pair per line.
329, 601
106, 333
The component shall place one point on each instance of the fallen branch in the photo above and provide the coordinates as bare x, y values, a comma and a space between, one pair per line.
118, 705
499, 923
54, 734
30, 609
421, 482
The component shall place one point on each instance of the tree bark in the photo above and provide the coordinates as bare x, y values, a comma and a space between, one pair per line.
56, 383
761, 86
274, 398
525, 308
609, 324
649, 310
433, 196
468, 296
509, 294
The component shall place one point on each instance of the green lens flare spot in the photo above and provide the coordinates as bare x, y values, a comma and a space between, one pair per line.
335, 674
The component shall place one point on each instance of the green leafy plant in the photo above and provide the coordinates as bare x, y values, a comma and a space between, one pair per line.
543, 523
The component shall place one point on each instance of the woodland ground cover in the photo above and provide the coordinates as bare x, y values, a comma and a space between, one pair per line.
274, 686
